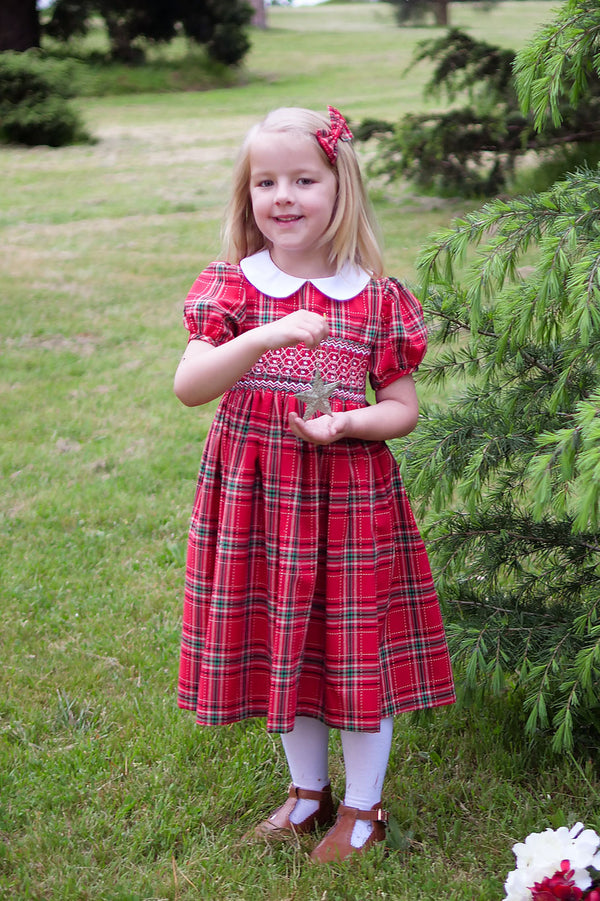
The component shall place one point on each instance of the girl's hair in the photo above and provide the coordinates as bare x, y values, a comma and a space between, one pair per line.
352, 232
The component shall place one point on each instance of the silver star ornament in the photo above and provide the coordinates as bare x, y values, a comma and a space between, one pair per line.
317, 397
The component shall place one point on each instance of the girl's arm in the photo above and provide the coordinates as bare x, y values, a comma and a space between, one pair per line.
395, 414
205, 372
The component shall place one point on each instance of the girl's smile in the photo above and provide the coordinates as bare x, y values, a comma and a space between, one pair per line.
285, 219
293, 191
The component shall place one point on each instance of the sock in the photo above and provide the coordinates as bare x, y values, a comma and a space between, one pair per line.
306, 749
366, 756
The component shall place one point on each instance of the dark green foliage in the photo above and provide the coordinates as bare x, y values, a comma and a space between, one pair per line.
33, 103
228, 44
53, 123
473, 150
369, 128
416, 12
466, 64
69, 17
455, 152
219, 24
410, 11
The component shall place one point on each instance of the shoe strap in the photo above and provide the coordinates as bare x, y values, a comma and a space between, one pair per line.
306, 793
377, 814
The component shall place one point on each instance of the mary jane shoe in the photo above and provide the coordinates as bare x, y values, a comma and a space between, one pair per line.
279, 825
336, 844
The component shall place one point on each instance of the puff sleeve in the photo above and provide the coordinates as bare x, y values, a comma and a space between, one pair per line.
401, 339
214, 309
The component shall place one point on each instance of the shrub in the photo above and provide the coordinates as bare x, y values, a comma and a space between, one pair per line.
34, 106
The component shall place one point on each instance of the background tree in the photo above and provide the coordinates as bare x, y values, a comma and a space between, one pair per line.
19, 25
412, 12
219, 24
259, 17
510, 466
473, 149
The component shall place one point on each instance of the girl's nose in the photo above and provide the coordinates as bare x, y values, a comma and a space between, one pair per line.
283, 193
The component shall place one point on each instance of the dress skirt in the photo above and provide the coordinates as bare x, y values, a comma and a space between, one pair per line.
308, 588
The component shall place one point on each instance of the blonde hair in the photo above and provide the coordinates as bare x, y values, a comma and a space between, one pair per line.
352, 232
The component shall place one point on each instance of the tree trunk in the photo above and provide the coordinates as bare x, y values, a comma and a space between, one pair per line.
19, 25
259, 19
440, 11
121, 41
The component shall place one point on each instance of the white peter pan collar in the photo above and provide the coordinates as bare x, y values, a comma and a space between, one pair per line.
261, 271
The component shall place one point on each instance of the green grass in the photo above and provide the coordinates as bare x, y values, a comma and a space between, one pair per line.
107, 791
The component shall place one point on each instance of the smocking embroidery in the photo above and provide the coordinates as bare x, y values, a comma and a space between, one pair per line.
292, 369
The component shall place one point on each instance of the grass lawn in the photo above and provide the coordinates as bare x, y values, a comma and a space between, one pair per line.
107, 790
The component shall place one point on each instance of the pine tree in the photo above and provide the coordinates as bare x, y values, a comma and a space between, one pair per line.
473, 149
509, 467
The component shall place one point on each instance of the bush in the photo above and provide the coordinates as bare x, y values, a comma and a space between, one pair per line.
34, 106
228, 45
52, 122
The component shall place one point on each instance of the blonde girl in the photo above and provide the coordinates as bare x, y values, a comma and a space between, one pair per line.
309, 599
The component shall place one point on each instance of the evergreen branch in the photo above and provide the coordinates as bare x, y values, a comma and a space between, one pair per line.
586, 662
534, 361
463, 63
559, 56
465, 326
492, 609
537, 702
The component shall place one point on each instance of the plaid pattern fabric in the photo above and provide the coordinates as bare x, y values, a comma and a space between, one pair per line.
308, 589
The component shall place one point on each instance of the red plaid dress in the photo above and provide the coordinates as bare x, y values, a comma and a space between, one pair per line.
308, 589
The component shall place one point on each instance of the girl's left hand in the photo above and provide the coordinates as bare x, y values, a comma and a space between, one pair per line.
321, 429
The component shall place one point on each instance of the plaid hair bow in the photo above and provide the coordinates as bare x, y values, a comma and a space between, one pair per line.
339, 131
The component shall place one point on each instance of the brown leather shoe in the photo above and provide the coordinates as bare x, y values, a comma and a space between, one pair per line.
278, 824
336, 843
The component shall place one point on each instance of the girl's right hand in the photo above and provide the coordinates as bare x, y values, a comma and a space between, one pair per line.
299, 327
205, 372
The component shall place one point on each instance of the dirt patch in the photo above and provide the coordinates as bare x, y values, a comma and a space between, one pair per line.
82, 345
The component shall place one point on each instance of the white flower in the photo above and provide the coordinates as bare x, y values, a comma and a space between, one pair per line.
517, 886
542, 853
585, 852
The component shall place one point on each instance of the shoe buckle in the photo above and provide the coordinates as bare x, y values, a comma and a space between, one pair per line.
382, 816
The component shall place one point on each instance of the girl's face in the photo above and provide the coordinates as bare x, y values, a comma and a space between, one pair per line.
293, 193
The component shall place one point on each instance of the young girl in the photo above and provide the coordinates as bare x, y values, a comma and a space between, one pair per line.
309, 598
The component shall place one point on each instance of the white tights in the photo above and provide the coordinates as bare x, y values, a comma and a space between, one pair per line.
366, 756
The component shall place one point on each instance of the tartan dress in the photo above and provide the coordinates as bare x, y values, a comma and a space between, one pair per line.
308, 588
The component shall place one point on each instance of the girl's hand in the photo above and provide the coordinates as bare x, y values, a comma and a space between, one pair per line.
322, 429
301, 326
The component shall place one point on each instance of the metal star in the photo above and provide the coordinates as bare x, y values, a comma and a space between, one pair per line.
317, 398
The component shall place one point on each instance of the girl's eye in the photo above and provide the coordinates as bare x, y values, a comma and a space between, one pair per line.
305, 181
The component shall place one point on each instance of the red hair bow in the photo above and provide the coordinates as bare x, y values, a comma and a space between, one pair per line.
339, 131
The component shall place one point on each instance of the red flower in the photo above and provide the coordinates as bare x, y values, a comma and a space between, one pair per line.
560, 886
